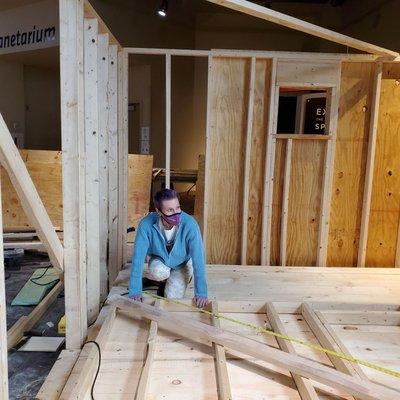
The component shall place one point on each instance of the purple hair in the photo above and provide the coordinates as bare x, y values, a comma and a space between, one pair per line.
164, 194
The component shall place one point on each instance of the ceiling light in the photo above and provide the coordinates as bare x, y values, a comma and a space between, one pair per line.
162, 11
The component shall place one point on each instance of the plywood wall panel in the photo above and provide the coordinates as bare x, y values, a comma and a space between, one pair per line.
257, 159
225, 161
350, 162
280, 157
385, 202
305, 201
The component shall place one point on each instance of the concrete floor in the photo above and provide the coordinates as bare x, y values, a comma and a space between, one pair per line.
28, 370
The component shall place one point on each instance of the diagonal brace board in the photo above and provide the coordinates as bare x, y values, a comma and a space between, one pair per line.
29, 197
276, 17
295, 364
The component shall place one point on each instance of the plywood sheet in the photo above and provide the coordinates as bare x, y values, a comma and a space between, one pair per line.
385, 202
44, 168
304, 201
257, 159
350, 161
225, 164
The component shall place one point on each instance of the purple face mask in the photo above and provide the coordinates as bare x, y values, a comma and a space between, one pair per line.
173, 219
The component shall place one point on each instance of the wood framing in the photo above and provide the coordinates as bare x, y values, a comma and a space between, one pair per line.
276, 17
295, 364
29, 198
3, 317
373, 129
167, 121
73, 147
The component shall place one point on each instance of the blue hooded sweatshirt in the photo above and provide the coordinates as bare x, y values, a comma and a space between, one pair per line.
188, 245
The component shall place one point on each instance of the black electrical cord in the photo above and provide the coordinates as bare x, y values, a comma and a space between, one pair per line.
98, 366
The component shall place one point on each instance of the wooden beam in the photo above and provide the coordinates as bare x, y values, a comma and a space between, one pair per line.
28, 196
304, 386
112, 94
224, 387
332, 114
26, 323
141, 393
92, 168
3, 316
195, 330
285, 202
73, 171
320, 332
102, 95
276, 17
269, 169
369, 169
246, 186
168, 121
89, 367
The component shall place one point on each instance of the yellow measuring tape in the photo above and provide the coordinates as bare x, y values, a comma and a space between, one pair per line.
284, 337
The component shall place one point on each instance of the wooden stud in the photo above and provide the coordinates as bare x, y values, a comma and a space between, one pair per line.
168, 121
142, 390
102, 85
246, 186
285, 202
304, 386
28, 196
92, 168
112, 94
276, 17
326, 340
195, 330
3, 317
73, 171
89, 367
224, 387
269, 169
208, 151
332, 114
369, 169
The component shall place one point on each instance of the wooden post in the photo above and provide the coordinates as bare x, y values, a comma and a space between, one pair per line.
332, 113
369, 169
246, 186
269, 169
3, 317
167, 121
92, 168
102, 85
73, 172
285, 202
112, 94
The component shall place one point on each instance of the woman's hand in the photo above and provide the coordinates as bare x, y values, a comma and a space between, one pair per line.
200, 302
137, 297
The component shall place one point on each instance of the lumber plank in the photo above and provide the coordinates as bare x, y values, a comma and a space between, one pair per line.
224, 387
29, 197
199, 199
26, 323
247, 160
73, 170
88, 370
141, 393
167, 121
112, 94
326, 340
58, 376
276, 17
304, 386
3, 316
305, 367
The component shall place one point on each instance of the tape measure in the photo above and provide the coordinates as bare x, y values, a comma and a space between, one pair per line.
260, 329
